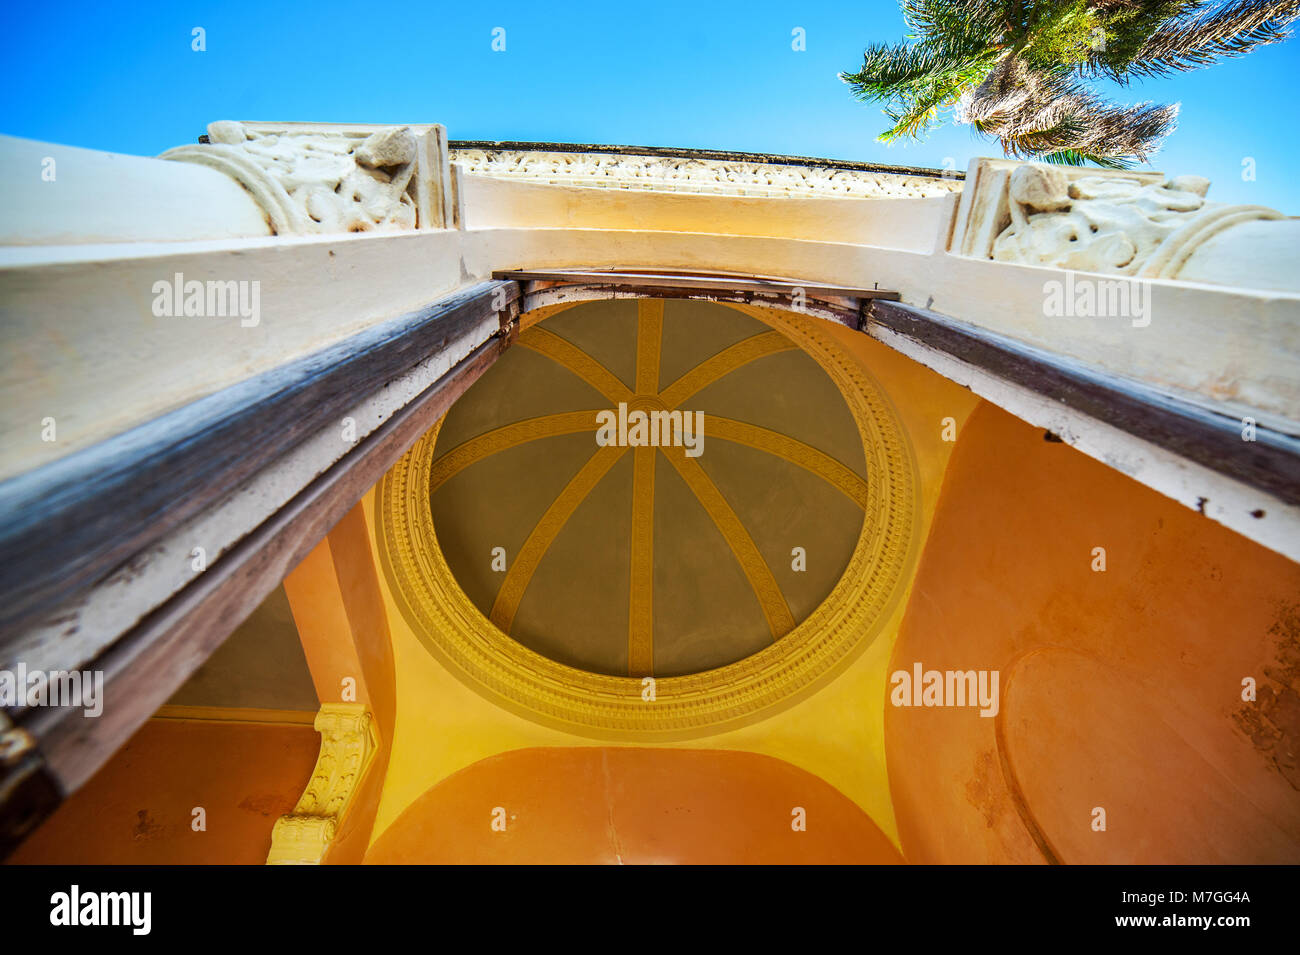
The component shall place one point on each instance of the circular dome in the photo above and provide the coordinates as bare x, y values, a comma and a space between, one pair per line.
708, 495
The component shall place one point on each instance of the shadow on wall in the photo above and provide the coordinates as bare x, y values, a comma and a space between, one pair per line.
139, 809
1121, 688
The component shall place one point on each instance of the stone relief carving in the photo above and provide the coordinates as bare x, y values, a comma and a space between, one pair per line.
317, 182
1115, 224
688, 175
347, 745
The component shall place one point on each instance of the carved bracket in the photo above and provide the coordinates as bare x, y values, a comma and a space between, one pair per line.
348, 743
329, 179
1127, 223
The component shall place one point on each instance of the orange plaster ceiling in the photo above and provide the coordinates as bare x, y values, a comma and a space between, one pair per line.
595, 805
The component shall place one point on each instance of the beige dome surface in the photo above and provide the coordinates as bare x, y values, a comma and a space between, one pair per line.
632, 561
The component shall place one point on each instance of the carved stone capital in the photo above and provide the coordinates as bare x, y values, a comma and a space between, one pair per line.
1101, 223
1126, 223
329, 179
348, 743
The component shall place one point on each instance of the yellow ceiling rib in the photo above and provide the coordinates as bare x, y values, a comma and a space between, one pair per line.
779, 619
640, 617
530, 318
842, 478
508, 436
640, 612
649, 335
576, 360
723, 363
544, 533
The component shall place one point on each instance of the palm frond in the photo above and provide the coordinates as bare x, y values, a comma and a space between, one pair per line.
1073, 157
912, 115
1094, 128
891, 71
1125, 28
1018, 70
1190, 43
1034, 114
958, 26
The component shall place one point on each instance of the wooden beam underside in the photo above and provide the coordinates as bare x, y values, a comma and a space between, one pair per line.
218, 445
144, 667
1270, 462
67, 525
837, 303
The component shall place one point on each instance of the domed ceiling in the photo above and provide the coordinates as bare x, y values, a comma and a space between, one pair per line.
636, 561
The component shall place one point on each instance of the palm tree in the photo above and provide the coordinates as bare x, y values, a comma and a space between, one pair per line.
1019, 70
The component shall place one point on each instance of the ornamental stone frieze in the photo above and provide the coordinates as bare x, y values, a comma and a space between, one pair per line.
329, 179
628, 169
1139, 224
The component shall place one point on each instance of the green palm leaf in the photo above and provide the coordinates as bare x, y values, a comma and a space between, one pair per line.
1016, 70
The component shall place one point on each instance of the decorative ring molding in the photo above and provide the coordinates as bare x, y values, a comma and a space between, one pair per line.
457, 633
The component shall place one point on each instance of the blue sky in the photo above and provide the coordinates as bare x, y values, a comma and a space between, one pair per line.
694, 74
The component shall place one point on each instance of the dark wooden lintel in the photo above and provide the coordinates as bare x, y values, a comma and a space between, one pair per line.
148, 663
837, 303
699, 282
69, 524
1191, 430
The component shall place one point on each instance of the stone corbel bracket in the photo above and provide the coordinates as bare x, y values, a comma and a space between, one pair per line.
347, 746
324, 178
1139, 224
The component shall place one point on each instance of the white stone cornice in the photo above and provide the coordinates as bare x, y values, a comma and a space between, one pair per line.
59, 196
685, 174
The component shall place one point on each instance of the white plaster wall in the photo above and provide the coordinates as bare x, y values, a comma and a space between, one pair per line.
106, 197
1264, 254
79, 342
911, 224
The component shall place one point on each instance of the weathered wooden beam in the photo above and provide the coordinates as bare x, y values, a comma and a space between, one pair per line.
28, 792
1270, 462
842, 311
69, 524
147, 664
831, 302
701, 282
